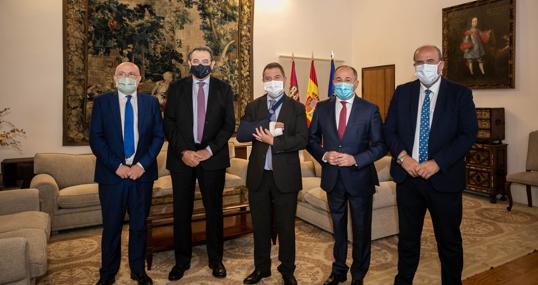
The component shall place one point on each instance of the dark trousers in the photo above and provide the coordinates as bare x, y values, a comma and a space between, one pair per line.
211, 183
135, 198
414, 196
361, 224
265, 201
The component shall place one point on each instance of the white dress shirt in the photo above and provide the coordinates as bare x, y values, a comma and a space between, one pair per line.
122, 100
338, 108
433, 99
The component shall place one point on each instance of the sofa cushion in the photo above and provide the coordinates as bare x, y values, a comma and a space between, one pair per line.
79, 196
67, 169
25, 220
307, 169
161, 163
317, 198
383, 168
37, 244
385, 195
15, 263
163, 185
308, 183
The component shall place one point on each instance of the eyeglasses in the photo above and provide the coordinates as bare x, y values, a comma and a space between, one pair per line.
127, 75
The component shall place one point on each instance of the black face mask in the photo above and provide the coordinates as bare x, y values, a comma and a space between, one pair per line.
200, 70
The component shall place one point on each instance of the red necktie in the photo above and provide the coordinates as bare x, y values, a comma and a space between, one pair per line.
342, 121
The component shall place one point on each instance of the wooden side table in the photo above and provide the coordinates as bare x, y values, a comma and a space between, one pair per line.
485, 170
17, 172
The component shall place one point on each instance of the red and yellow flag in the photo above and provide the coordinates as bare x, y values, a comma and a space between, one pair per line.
312, 94
294, 87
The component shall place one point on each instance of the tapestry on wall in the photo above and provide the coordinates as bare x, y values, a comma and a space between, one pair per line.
156, 35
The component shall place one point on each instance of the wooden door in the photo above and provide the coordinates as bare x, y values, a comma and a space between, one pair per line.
378, 86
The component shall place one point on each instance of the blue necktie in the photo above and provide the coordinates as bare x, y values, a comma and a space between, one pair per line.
269, 155
424, 128
128, 129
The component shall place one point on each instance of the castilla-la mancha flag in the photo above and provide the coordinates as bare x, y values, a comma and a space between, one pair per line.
312, 94
294, 87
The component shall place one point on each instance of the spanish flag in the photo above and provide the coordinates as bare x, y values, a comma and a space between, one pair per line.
294, 87
312, 94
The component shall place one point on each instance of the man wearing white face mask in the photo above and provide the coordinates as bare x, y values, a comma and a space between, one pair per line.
430, 126
274, 172
346, 138
126, 134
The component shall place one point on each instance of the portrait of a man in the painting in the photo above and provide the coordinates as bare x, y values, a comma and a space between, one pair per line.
478, 43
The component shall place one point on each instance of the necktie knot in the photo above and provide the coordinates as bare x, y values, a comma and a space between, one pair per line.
201, 84
129, 97
343, 103
272, 103
428, 92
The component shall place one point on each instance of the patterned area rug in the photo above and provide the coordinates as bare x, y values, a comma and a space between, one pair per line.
491, 236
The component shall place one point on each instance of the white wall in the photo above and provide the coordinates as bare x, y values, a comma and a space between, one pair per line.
302, 27
388, 31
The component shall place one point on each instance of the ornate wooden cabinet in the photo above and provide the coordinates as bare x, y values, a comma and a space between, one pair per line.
490, 125
485, 169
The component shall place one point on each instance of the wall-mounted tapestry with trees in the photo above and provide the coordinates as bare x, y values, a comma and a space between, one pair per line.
156, 35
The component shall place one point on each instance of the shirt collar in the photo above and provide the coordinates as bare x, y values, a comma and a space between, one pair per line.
434, 88
196, 80
276, 99
124, 96
349, 101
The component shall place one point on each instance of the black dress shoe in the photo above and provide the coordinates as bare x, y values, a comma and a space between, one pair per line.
177, 272
290, 280
255, 277
105, 281
219, 270
142, 278
334, 279
356, 282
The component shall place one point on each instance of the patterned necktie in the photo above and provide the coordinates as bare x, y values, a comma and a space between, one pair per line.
269, 155
200, 112
342, 121
424, 128
128, 129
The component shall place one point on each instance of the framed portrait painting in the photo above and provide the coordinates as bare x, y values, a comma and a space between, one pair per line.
157, 35
478, 43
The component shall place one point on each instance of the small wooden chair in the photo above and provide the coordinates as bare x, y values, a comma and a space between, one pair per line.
528, 178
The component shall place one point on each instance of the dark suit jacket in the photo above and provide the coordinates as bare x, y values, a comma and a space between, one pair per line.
106, 138
363, 138
453, 131
219, 123
285, 149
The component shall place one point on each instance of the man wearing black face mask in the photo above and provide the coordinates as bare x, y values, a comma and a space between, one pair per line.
198, 121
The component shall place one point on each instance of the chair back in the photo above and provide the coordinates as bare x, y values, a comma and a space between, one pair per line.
532, 153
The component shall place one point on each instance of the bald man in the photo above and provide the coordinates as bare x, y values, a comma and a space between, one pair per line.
430, 126
126, 134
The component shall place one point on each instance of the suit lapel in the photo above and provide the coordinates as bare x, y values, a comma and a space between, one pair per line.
353, 116
441, 98
284, 109
187, 107
261, 108
116, 116
413, 110
332, 116
142, 110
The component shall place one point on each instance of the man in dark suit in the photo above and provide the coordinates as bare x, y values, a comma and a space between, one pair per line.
431, 124
126, 134
276, 125
198, 121
346, 138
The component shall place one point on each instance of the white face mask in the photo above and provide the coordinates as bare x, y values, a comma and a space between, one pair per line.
273, 88
427, 73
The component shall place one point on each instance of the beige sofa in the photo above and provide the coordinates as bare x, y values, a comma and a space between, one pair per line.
312, 202
69, 195
24, 233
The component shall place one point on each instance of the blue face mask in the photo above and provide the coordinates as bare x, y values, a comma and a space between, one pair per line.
343, 90
201, 71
